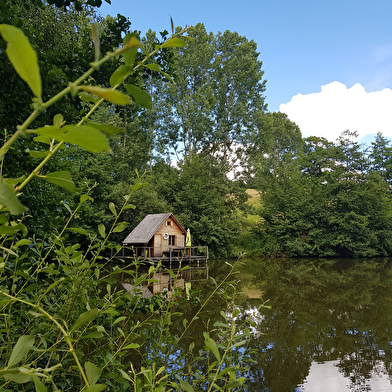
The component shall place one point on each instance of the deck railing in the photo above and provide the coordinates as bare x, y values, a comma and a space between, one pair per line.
154, 254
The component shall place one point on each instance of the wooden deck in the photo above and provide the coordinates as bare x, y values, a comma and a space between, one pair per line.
195, 255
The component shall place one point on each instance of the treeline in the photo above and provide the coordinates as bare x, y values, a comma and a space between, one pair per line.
327, 199
200, 138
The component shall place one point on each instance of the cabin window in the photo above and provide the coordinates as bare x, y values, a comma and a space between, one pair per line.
168, 223
172, 239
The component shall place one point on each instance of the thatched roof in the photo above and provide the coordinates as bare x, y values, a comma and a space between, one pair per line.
146, 229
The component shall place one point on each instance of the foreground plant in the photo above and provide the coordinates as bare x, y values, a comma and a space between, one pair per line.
66, 324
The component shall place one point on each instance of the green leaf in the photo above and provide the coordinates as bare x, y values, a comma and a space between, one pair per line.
130, 207
84, 318
93, 372
39, 385
22, 347
16, 376
11, 252
79, 230
153, 67
42, 139
102, 230
131, 44
86, 97
112, 208
139, 185
86, 137
96, 388
125, 375
113, 96
174, 42
120, 227
9, 199
142, 97
85, 197
185, 386
8, 230
119, 319
63, 179
120, 74
110, 130
211, 345
38, 154
58, 120
23, 57
23, 242
131, 346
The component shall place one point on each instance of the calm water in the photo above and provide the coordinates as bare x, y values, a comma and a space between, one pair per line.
329, 327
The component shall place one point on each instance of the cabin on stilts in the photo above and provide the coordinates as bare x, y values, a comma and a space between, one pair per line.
161, 237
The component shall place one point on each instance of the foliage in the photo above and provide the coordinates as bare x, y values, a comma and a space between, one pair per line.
327, 203
66, 325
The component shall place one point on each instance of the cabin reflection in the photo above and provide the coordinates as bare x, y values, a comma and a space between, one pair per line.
162, 280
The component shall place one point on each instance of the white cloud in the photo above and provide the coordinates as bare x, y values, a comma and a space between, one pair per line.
337, 108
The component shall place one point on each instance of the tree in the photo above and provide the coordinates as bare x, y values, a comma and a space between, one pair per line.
218, 93
330, 205
381, 157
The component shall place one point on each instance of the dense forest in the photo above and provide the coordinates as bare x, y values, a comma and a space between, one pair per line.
201, 138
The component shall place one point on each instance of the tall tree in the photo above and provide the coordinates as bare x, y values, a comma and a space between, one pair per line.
217, 96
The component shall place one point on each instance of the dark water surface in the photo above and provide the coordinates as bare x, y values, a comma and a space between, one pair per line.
329, 327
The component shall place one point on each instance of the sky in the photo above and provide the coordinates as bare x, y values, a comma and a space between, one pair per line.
328, 63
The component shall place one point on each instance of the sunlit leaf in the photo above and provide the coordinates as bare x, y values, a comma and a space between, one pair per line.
42, 139
38, 154
112, 208
211, 345
63, 179
131, 346
23, 242
85, 197
23, 57
93, 372
86, 137
113, 96
58, 120
9, 199
153, 67
120, 227
142, 97
78, 230
23, 346
120, 74
174, 42
86, 97
102, 230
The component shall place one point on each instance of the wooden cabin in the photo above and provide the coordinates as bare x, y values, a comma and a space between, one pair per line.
160, 237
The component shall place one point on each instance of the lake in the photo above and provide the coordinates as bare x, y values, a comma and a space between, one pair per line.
328, 328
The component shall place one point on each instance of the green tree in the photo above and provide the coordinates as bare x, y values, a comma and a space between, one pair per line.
381, 157
217, 96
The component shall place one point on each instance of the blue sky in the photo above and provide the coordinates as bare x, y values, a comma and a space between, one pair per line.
304, 45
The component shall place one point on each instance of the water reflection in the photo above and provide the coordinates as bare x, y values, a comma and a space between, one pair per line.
325, 315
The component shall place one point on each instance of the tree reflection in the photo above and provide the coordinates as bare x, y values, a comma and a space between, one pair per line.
323, 311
